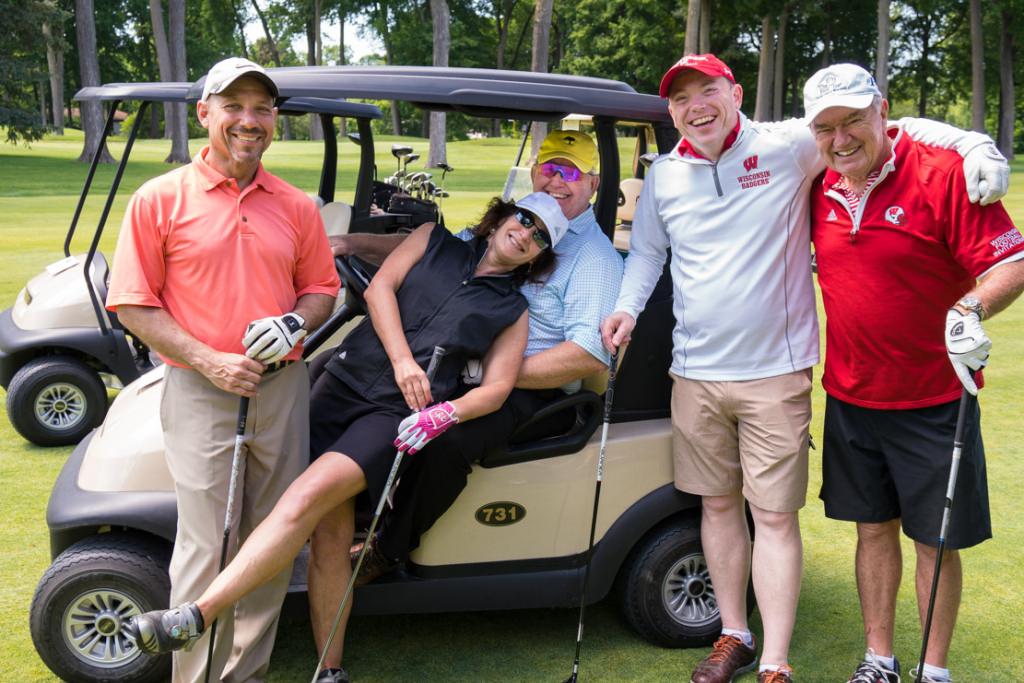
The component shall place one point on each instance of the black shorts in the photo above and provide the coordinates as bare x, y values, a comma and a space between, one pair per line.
880, 465
342, 421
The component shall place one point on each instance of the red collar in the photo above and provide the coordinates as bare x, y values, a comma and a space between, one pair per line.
686, 148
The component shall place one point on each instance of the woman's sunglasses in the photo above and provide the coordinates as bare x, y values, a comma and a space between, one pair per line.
570, 174
540, 235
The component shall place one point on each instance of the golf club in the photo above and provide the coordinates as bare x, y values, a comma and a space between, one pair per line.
608, 395
236, 467
435, 360
409, 159
400, 152
966, 404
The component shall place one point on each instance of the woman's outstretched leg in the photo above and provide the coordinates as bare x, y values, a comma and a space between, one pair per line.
332, 479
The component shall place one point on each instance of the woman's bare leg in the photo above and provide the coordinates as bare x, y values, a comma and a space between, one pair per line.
329, 571
331, 480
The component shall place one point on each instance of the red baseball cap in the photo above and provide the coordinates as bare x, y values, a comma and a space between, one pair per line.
707, 64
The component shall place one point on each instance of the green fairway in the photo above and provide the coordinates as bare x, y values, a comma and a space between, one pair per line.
38, 190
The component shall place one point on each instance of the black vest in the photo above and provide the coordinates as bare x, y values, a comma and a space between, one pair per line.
440, 303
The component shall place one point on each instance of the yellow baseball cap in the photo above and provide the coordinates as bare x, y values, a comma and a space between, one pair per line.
573, 145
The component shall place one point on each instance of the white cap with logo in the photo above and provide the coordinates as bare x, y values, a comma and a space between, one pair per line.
546, 208
839, 85
227, 71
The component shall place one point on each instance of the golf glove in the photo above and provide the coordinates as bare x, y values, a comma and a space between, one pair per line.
419, 429
987, 174
967, 346
268, 340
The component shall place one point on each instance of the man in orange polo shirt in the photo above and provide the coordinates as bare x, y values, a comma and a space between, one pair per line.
222, 268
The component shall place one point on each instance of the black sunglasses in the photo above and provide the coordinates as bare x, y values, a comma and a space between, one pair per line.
540, 235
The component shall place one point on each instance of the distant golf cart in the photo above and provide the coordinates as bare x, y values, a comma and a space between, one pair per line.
517, 535
59, 348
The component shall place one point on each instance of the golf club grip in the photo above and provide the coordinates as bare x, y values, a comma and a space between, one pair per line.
435, 361
243, 415
609, 393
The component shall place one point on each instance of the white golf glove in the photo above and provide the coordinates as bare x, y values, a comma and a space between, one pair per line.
967, 346
987, 174
268, 340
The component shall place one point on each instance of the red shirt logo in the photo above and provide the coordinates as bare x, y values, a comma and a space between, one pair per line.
895, 215
750, 163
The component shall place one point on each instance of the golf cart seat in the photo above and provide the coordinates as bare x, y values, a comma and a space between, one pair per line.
337, 217
581, 411
317, 200
629, 194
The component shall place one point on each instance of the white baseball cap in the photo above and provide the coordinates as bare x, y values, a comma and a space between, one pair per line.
839, 85
227, 71
546, 208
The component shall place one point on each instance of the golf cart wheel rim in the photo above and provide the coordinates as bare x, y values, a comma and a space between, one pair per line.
687, 594
60, 406
93, 627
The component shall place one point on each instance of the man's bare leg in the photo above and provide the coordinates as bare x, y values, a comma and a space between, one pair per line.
777, 568
726, 541
947, 599
879, 567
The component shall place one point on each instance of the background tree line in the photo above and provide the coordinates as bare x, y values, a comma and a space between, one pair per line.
947, 59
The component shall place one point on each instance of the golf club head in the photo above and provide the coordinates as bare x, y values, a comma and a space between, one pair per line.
400, 151
444, 167
356, 138
648, 159
408, 159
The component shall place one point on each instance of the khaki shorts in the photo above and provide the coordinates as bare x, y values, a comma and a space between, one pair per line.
748, 436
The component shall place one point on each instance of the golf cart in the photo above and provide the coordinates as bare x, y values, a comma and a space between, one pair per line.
59, 348
517, 535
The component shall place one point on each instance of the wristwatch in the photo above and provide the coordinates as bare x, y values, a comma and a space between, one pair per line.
972, 303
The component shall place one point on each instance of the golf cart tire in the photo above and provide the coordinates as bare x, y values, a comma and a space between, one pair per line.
64, 379
665, 564
109, 576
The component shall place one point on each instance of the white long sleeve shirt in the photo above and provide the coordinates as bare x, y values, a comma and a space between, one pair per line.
739, 234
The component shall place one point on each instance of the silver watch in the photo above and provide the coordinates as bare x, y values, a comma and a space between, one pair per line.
972, 303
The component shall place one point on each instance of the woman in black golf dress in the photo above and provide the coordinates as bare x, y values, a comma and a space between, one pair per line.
433, 290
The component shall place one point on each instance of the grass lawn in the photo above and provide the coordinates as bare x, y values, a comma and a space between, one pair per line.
38, 190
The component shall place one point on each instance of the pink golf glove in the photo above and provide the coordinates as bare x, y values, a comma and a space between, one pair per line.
419, 429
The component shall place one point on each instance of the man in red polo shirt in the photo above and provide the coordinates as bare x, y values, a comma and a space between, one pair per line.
903, 257
222, 268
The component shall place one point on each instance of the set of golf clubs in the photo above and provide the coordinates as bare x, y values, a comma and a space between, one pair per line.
418, 184
966, 404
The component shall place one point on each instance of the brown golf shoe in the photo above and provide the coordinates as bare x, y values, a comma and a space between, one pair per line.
783, 675
374, 564
729, 657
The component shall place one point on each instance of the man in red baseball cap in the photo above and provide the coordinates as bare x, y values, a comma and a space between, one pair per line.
731, 202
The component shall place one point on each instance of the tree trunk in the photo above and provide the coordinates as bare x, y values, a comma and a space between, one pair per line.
691, 45
236, 9
163, 59
763, 104
705, 26
442, 43
275, 55
779, 77
55, 64
179, 72
882, 52
41, 93
89, 68
922, 74
313, 58
539, 63
1007, 103
977, 70
502, 18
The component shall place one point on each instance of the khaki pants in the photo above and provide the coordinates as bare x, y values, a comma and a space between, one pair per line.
199, 423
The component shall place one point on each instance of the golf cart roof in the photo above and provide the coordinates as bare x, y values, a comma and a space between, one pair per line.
179, 92
486, 93
150, 92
